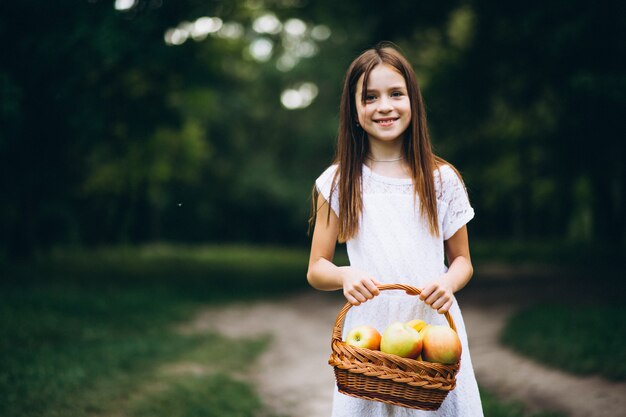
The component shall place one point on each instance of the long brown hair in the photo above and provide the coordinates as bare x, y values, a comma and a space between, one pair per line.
353, 144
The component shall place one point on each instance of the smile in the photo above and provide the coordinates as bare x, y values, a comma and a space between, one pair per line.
385, 122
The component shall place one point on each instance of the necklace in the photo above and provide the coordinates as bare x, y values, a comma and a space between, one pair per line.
385, 160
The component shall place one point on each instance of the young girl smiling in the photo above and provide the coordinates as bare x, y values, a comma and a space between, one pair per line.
401, 211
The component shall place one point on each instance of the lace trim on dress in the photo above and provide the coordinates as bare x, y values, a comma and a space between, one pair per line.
451, 195
446, 183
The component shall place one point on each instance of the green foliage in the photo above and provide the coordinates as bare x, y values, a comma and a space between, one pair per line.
84, 332
583, 256
202, 273
587, 339
110, 135
503, 109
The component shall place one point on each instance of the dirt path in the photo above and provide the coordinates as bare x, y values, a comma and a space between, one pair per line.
293, 377
515, 377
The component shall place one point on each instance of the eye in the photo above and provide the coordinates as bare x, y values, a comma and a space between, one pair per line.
369, 98
397, 94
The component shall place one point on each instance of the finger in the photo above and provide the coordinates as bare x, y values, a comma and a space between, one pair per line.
361, 298
445, 308
426, 292
437, 304
352, 300
434, 296
372, 288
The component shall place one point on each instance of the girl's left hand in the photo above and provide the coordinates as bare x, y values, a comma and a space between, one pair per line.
438, 295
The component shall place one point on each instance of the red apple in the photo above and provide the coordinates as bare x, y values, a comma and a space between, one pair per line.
441, 345
364, 337
402, 340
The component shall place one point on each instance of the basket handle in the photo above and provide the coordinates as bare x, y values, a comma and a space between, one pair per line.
409, 289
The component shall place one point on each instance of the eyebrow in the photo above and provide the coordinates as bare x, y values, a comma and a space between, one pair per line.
393, 87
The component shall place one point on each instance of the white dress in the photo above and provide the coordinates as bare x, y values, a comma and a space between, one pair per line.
394, 245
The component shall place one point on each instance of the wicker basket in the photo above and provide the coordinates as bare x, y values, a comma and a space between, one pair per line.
378, 376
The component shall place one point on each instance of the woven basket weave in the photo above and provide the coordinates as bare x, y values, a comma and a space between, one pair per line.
378, 376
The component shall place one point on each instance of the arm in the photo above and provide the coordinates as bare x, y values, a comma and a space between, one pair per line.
323, 274
440, 293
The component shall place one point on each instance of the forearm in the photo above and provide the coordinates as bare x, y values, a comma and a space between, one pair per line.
459, 273
358, 286
325, 275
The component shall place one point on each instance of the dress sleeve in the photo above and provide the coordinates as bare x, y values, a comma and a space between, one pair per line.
459, 211
324, 184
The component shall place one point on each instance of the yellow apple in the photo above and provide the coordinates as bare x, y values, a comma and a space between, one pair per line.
365, 337
417, 324
402, 340
442, 345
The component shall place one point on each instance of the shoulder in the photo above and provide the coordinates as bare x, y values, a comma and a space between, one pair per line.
331, 170
447, 174
448, 181
446, 171
324, 183
325, 186
327, 176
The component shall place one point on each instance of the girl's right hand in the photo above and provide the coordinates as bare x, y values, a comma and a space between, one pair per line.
358, 287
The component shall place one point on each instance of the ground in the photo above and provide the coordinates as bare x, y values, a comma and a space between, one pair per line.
293, 377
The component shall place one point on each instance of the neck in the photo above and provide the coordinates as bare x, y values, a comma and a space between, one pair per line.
385, 160
385, 155
385, 151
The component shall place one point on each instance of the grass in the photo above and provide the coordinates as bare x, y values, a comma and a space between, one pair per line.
90, 333
582, 330
494, 407
587, 339
211, 396
588, 255
81, 331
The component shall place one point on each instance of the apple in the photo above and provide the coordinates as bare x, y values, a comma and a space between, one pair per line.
417, 324
402, 340
442, 345
365, 337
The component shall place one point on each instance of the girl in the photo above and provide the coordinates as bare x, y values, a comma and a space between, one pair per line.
399, 209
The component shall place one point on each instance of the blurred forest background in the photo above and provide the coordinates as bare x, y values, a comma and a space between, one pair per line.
132, 121
158, 158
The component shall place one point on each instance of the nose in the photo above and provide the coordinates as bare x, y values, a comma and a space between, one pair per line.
384, 105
